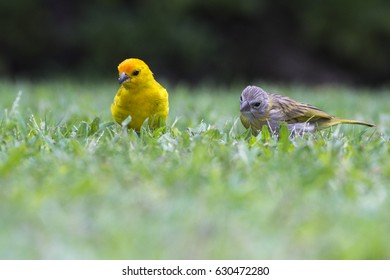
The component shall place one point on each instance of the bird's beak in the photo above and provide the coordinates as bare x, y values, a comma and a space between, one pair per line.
244, 106
123, 77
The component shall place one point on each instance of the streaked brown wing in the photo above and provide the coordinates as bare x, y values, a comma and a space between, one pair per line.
297, 112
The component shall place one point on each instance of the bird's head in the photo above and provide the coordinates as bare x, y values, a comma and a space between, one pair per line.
254, 102
133, 72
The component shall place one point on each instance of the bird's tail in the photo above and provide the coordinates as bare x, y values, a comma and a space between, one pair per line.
335, 121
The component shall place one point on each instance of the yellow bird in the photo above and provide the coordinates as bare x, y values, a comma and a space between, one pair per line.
139, 96
259, 108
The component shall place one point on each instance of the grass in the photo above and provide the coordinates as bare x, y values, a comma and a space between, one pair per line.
76, 187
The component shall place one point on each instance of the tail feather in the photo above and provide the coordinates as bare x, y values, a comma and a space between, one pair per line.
335, 121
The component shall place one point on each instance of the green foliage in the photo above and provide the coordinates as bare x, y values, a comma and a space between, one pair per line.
75, 185
356, 28
192, 40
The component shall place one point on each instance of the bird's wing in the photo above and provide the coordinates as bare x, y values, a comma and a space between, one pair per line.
297, 112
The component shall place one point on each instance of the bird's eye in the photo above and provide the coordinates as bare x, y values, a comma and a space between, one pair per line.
135, 73
256, 104
240, 97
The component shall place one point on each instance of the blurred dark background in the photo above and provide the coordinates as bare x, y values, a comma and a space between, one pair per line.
219, 41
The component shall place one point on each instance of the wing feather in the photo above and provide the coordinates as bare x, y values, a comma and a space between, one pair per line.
298, 112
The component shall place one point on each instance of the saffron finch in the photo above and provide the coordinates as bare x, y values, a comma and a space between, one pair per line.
139, 96
259, 108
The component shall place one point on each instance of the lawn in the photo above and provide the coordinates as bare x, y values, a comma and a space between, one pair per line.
74, 185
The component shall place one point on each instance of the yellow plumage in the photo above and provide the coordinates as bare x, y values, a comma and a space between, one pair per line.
140, 96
